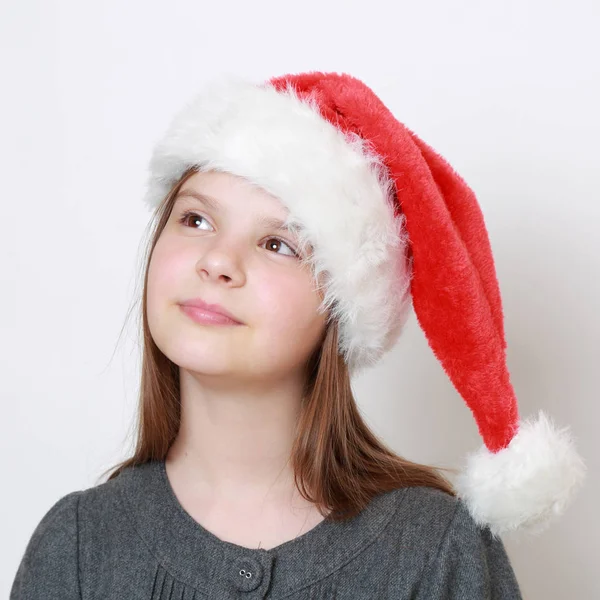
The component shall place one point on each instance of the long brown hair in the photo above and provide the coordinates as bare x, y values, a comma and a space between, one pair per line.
339, 464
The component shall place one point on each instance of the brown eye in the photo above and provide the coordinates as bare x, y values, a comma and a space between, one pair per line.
276, 242
190, 218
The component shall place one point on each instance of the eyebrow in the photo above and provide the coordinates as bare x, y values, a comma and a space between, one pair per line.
268, 222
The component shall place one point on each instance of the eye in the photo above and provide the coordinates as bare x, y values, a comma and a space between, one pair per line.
184, 219
277, 241
191, 217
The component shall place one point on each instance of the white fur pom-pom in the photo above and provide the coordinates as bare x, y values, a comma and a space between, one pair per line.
525, 485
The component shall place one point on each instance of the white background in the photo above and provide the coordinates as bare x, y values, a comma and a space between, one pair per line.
505, 91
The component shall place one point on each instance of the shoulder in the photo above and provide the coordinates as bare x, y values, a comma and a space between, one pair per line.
456, 553
58, 524
423, 511
435, 510
48, 566
449, 517
52, 554
433, 522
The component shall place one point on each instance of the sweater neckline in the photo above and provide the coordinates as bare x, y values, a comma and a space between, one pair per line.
208, 535
202, 560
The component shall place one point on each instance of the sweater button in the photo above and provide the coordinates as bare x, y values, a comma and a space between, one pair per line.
248, 574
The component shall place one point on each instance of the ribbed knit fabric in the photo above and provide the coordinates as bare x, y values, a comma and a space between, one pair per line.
130, 539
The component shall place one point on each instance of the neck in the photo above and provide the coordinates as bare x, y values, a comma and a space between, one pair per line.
236, 442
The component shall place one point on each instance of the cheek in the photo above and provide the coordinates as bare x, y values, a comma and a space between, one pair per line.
288, 307
289, 327
165, 273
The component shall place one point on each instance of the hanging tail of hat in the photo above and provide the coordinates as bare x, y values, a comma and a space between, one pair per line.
527, 472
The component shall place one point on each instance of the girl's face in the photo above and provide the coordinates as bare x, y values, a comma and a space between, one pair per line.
223, 253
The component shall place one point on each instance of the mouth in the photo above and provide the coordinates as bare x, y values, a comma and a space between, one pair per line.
202, 314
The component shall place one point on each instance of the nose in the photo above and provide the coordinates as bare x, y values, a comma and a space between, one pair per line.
221, 261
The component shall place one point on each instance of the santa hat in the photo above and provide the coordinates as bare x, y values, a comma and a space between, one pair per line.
389, 222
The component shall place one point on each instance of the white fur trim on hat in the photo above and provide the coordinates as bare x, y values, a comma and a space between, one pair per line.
339, 197
525, 485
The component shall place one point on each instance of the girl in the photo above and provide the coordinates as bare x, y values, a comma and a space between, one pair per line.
295, 223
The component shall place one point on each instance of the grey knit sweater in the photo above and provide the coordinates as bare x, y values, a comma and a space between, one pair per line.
130, 539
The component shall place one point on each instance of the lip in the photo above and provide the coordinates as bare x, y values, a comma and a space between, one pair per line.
205, 312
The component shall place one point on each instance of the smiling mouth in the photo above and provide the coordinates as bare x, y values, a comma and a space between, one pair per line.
204, 316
